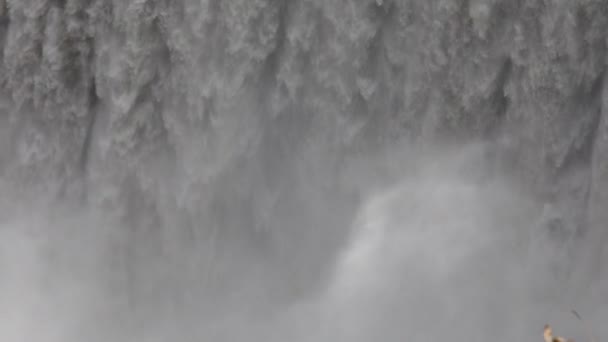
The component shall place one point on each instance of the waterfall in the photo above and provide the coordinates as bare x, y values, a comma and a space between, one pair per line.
205, 169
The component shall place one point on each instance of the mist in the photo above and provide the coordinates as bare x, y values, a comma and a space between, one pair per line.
441, 245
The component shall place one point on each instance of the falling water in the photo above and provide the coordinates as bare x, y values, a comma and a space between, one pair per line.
302, 170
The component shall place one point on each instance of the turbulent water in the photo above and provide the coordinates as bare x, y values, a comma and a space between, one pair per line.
302, 170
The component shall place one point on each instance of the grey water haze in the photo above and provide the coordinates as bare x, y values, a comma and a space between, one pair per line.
302, 170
